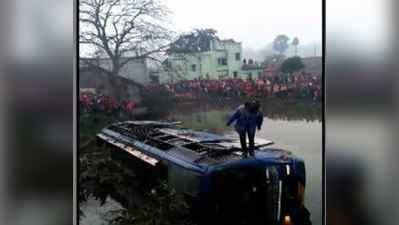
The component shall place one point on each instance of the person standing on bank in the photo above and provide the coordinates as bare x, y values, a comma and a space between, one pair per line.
248, 117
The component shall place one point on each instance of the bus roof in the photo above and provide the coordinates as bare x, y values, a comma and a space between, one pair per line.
197, 150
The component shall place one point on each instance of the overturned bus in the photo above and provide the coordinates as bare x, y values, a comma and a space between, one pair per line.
220, 185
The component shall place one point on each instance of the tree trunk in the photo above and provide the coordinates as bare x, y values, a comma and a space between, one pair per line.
112, 78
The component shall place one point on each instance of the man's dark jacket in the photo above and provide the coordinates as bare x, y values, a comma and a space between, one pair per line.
245, 120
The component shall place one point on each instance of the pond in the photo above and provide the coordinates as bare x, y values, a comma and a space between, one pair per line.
297, 126
294, 124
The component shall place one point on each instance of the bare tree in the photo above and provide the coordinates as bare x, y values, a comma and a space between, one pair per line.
124, 30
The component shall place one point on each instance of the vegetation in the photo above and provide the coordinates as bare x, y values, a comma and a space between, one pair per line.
198, 40
163, 207
280, 43
292, 64
100, 177
89, 125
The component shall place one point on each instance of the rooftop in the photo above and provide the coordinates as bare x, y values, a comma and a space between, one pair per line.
231, 40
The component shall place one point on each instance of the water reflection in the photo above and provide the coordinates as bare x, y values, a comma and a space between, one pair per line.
213, 117
213, 121
292, 124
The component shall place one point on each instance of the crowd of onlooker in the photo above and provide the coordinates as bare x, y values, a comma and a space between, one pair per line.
304, 85
91, 102
301, 85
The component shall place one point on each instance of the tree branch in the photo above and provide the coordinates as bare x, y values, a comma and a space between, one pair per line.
122, 27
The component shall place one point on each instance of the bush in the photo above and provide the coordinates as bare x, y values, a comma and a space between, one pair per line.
100, 177
164, 207
292, 64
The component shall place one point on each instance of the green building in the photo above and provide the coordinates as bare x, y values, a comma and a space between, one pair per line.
223, 60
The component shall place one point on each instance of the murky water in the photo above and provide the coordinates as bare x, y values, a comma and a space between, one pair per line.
301, 133
296, 126
97, 214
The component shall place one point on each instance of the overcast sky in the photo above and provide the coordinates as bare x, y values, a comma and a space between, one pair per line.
253, 22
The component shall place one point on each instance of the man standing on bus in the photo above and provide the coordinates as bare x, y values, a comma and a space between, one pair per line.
248, 117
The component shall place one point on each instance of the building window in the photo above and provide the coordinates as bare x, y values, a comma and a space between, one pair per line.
238, 56
222, 61
193, 67
235, 74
